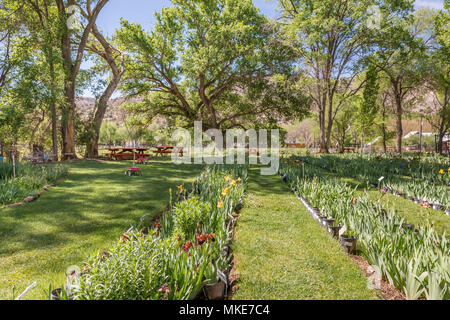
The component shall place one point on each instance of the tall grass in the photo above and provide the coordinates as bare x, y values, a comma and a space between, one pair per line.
29, 180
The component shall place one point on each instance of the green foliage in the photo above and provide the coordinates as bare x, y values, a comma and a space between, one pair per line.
188, 214
29, 180
167, 265
369, 106
214, 60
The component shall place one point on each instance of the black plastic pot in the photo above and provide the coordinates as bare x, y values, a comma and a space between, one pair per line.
411, 198
215, 291
348, 243
438, 207
329, 222
56, 294
408, 226
239, 206
334, 231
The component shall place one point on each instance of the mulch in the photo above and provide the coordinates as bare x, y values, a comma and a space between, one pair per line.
387, 290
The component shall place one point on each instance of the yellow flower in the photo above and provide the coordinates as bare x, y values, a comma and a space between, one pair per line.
170, 190
448, 169
225, 192
233, 183
220, 205
239, 180
227, 178
441, 171
180, 187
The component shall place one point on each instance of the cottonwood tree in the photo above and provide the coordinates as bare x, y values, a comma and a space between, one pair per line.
115, 63
215, 61
10, 27
400, 54
10, 30
44, 33
437, 74
344, 123
5, 66
73, 47
330, 38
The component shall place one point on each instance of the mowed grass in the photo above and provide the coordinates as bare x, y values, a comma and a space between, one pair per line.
413, 213
85, 213
282, 253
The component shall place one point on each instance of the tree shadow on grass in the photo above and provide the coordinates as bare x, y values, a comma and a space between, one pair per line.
97, 198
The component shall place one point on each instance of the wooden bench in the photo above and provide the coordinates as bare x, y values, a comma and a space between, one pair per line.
124, 156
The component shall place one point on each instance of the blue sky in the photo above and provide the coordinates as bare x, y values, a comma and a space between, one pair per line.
141, 11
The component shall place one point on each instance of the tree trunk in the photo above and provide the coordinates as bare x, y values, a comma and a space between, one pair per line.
53, 111
399, 114
72, 68
439, 146
69, 127
117, 73
323, 133
92, 145
383, 129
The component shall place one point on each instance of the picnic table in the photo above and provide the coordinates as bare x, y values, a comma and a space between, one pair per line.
161, 150
127, 153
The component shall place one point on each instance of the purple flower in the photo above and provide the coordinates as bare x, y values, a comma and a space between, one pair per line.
164, 289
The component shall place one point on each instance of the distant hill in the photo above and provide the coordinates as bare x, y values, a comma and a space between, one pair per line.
86, 108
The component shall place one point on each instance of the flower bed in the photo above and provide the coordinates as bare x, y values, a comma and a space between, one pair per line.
368, 169
416, 261
177, 256
29, 179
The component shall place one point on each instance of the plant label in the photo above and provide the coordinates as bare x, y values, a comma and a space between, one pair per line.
342, 231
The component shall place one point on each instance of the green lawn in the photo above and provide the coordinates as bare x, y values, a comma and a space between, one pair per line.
413, 213
85, 213
282, 253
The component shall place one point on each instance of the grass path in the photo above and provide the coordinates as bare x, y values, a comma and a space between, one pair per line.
282, 253
85, 213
